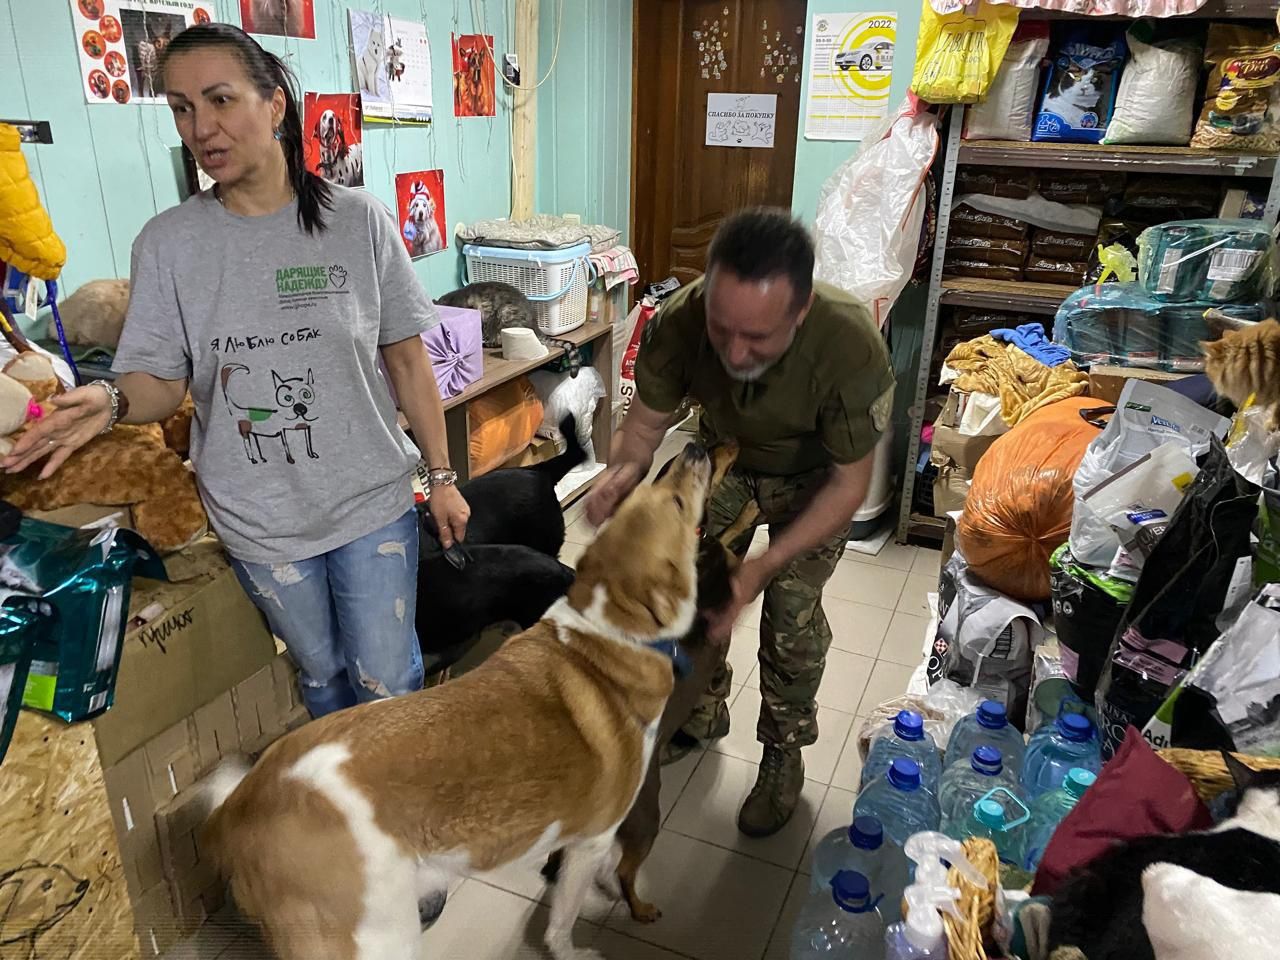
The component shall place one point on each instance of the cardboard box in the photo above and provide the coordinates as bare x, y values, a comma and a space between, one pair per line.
539, 450
1106, 382
949, 444
86, 515
187, 643
950, 489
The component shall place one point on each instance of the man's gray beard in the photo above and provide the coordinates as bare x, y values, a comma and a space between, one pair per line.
746, 376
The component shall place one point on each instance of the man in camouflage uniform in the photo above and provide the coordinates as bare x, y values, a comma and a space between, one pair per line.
798, 374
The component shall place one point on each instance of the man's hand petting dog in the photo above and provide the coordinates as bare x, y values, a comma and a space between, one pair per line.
748, 582
450, 511
615, 483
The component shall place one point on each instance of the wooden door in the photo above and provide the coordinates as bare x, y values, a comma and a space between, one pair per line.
681, 188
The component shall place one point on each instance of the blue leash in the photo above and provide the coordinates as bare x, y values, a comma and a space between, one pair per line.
51, 286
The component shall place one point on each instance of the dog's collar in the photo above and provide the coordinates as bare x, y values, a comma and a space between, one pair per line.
672, 649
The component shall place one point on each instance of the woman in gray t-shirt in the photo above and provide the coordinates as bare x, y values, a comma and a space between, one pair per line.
271, 298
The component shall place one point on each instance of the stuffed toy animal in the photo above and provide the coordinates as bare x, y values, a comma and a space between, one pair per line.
130, 466
93, 316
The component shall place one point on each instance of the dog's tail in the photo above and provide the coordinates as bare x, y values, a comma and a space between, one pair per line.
556, 468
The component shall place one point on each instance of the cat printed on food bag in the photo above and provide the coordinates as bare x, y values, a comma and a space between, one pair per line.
1080, 88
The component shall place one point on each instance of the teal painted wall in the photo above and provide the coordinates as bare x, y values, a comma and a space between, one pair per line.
584, 111
816, 160
111, 168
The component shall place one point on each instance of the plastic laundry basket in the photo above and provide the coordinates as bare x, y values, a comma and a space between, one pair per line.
556, 281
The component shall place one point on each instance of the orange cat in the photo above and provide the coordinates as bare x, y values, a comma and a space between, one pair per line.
1247, 361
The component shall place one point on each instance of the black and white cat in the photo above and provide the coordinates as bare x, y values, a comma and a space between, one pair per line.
1073, 93
1099, 910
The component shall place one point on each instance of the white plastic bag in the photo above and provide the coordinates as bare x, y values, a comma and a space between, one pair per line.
1010, 108
871, 209
1156, 102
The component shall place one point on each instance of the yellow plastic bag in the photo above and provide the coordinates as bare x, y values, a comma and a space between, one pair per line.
958, 53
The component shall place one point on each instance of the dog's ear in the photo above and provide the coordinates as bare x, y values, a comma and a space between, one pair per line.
1243, 776
342, 136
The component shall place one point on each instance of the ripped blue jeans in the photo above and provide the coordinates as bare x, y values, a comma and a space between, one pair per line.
347, 616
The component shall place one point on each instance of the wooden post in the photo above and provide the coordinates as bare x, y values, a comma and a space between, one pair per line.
524, 146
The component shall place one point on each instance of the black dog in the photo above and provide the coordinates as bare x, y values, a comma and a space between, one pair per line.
507, 569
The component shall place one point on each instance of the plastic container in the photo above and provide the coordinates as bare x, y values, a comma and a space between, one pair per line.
900, 802
1051, 809
1071, 741
556, 281
1000, 817
905, 737
963, 785
840, 923
858, 847
921, 936
989, 726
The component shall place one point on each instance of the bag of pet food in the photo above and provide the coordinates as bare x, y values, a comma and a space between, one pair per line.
1010, 253
86, 578
1056, 245
1068, 273
1152, 200
1016, 183
1087, 607
1068, 186
1219, 261
1242, 96
20, 631
984, 639
958, 54
639, 317
1080, 89
1156, 100
1009, 110
1185, 585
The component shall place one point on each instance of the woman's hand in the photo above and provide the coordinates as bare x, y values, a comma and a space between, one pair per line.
69, 422
450, 511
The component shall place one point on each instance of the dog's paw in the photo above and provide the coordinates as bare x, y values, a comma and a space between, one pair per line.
645, 912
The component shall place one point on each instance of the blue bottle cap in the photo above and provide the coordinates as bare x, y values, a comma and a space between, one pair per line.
1078, 781
990, 814
904, 773
866, 833
1076, 727
992, 715
851, 891
987, 761
909, 725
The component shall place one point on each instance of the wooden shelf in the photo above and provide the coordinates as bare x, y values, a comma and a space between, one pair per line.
498, 371
1089, 156
1004, 294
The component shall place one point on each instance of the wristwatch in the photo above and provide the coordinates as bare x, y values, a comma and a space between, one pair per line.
119, 403
441, 477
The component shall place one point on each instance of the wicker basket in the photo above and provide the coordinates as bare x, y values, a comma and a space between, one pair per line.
966, 938
1208, 772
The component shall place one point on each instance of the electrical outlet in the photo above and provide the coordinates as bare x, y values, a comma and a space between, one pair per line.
572, 218
511, 68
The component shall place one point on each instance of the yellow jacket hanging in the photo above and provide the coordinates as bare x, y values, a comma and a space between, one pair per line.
27, 240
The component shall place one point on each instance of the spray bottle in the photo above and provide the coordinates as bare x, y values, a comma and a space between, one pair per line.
921, 935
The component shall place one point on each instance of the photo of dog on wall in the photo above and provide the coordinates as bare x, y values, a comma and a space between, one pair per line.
331, 137
420, 208
474, 79
279, 18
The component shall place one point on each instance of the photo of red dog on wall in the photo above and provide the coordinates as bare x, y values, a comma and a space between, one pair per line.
420, 207
474, 80
279, 18
331, 137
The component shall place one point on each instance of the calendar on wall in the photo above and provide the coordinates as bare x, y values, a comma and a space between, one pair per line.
391, 68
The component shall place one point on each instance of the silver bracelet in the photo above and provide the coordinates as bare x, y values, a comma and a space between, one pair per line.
441, 477
113, 394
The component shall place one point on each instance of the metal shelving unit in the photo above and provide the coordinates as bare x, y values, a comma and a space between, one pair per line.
1042, 298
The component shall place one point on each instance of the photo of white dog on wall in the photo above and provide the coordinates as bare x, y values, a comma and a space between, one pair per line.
420, 208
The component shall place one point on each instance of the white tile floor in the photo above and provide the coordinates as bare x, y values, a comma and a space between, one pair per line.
723, 896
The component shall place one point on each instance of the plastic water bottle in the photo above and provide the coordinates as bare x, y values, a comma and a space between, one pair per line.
1051, 809
858, 847
988, 726
1069, 742
1001, 818
905, 737
841, 923
963, 785
900, 802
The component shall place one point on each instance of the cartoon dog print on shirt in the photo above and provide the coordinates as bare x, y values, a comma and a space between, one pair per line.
291, 411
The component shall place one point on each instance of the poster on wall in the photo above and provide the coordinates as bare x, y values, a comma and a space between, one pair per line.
474, 80
420, 206
331, 137
391, 68
741, 119
850, 70
279, 18
120, 43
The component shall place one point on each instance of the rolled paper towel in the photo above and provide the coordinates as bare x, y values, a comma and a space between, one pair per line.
520, 343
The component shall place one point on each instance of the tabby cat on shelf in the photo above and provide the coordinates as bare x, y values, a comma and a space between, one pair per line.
501, 307
1247, 361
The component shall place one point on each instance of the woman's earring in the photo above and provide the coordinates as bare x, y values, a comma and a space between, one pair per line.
278, 135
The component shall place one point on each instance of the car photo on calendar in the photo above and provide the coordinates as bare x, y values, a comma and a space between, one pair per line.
869, 58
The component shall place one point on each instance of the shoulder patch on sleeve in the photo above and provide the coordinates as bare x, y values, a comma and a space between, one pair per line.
882, 410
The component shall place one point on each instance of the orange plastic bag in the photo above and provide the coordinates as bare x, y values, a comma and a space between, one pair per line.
503, 422
1018, 510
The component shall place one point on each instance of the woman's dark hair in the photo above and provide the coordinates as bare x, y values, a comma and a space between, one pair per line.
762, 243
267, 71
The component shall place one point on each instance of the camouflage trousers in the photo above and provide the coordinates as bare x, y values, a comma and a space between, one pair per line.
794, 634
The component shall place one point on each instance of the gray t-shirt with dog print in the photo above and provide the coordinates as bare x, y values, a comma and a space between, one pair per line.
295, 442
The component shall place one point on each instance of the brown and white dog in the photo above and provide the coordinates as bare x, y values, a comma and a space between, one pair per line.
347, 825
